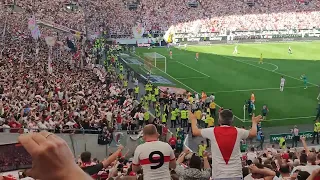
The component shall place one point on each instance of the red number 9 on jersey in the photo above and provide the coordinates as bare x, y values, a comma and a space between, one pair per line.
159, 159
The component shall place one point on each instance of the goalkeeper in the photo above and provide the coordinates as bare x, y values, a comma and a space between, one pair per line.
305, 80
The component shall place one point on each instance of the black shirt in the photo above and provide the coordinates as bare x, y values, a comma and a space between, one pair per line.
91, 170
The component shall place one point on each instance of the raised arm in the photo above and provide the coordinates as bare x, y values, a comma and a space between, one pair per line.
182, 155
195, 130
265, 171
305, 146
255, 121
206, 164
112, 158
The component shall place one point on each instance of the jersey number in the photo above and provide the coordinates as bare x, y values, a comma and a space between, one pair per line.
159, 159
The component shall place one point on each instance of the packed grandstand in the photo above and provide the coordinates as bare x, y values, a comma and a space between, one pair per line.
70, 80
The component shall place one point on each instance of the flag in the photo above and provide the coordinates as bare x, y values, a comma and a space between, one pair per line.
21, 58
168, 36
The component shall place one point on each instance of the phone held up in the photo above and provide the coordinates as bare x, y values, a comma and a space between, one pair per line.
14, 157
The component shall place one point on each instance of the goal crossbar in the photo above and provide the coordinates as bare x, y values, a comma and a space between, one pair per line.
157, 60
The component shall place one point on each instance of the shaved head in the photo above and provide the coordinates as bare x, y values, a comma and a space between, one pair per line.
150, 130
312, 157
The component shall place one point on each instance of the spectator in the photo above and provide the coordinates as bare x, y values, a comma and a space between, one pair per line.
311, 158
173, 142
252, 155
227, 163
194, 171
93, 168
154, 157
260, 172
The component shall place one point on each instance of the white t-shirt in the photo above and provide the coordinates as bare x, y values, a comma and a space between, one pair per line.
249, 177
154, 157
282, 81
309, 168
251, 156
141, 116
225, 148
109, 116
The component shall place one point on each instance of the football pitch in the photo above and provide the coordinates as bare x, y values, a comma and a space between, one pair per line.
232, 78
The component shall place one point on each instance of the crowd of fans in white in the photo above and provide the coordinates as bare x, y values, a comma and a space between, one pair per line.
219, 16
73, 98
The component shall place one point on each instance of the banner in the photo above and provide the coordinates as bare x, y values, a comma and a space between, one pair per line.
51, 41
172, 90
33, 27
274, 138
138, 31
169, 35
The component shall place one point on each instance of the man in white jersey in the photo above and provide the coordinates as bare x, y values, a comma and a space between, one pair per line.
156, 158
289, 50
226, 155
235, 51
282, 82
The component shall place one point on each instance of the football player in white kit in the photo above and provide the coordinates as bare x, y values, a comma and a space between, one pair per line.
289, 50
282, 82
235, 51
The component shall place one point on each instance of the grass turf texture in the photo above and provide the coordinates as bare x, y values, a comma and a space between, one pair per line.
233, 77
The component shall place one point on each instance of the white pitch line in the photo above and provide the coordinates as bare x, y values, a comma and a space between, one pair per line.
262, 89
188, 87
276, 67
281, 119
192, 68
264, 69
191, 78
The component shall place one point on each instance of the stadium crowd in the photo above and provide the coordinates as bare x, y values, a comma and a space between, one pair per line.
158, 16
158, 160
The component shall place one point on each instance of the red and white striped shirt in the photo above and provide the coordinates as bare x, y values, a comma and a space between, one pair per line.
154, 157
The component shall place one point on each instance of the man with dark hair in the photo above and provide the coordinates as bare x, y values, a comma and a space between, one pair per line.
225, 143
92, 168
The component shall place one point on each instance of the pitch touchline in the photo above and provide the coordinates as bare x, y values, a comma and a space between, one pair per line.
306, 117
262, 89
192, 78
187, 86
265, 69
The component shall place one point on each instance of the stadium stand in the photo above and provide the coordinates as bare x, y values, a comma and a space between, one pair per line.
84, 98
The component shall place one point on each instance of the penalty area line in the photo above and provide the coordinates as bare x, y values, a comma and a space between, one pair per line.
192, 68
276, 72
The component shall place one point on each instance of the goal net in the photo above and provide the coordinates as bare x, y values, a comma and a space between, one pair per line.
154, 61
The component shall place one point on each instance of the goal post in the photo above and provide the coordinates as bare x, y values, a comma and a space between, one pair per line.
155, 60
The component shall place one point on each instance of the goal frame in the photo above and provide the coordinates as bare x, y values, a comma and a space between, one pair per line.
155, 57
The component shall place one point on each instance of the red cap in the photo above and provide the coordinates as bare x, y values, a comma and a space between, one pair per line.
285, 156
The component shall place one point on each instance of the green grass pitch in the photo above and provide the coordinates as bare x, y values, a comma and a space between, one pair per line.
233, 77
